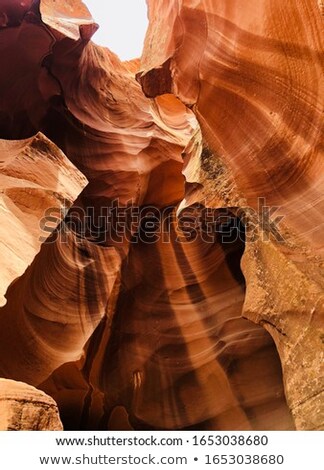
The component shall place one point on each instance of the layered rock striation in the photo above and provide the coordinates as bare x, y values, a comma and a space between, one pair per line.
38, 185
256, 87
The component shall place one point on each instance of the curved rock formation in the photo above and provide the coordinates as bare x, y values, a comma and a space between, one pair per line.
256, 88
125, 145
131, 315
24, 408
36, 179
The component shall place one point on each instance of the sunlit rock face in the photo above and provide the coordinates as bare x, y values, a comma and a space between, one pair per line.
24, 408
151, 321
253, 76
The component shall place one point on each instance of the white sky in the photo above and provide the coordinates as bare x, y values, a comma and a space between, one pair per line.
123, 25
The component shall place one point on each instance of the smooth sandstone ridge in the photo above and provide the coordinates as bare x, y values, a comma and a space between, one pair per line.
154, 329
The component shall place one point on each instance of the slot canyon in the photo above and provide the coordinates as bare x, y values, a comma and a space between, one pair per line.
161, 219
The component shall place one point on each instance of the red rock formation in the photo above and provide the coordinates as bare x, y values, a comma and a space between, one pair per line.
24, 408
147, 331
125, 146
35, 176
253, 76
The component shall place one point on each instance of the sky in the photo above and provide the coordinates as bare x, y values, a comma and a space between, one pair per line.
123, 25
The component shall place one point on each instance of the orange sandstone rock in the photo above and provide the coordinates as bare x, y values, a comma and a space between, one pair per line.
164, 329
253, 76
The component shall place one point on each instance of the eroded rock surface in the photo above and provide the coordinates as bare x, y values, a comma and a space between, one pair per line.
24, 408
253, 76
167, 326
37, 181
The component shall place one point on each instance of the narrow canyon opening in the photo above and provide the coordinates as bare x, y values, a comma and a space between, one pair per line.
122, 26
